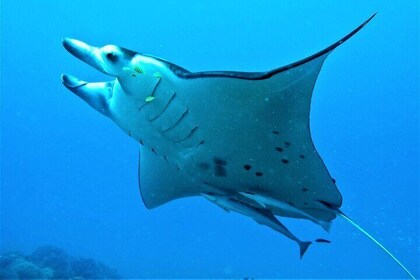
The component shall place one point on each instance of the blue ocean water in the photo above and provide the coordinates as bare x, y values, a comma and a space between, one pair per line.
69, 175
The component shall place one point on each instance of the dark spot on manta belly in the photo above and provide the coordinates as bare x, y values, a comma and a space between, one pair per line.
220, 171
219, 167
279, 149
219, 161
287, 144
275, 132
247, 167
258, 174
305, 189
302, 156
333, 180
285, 161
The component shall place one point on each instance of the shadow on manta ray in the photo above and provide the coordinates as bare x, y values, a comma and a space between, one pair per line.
240, 139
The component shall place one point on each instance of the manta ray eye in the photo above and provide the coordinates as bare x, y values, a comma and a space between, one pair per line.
111, 56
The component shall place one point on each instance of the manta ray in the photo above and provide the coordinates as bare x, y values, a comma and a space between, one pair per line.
240, 139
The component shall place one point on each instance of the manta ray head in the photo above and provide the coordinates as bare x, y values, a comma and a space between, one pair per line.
109, 59
136, 76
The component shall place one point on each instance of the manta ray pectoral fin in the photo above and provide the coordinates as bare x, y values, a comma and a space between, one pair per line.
270, 111
180, 72
160, 181
97, 95
322, 54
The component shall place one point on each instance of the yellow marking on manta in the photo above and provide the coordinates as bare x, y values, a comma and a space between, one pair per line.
138, 69
149, 98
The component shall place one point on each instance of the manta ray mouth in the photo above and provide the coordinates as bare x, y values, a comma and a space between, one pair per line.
86, 53
96, 94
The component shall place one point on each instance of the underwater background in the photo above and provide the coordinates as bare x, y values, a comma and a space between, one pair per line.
69, 175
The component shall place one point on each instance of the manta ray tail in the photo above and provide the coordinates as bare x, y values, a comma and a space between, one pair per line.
304, 247
345, 217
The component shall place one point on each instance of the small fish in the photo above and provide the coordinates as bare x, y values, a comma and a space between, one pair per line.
157, 75
261, 216
267, 202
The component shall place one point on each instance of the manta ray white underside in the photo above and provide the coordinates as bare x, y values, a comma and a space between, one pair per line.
240, 139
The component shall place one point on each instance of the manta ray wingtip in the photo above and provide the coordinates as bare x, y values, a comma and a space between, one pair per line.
369, 19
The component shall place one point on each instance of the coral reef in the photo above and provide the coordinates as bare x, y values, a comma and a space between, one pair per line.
49, 262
